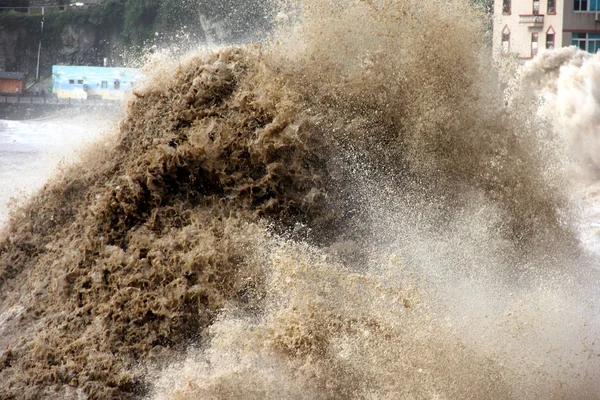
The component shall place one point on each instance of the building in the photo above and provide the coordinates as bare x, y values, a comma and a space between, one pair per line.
11, 82
522, 28
77, 82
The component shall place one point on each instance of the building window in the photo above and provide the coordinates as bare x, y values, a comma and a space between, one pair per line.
534, 44
586, 5
80, 81
550, 41
589, 42
116, 84
71, 81
536, 7
104, 85
551, 7
505, 6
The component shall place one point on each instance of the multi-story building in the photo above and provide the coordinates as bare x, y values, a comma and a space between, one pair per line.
522, 28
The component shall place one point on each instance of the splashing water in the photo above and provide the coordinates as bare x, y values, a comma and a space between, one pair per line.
352, 210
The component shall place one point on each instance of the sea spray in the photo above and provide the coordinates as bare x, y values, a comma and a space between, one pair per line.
350, 211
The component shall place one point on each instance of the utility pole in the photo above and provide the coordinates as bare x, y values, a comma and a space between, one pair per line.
37, 69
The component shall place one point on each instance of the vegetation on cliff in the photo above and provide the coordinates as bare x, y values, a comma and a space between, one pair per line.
115, 28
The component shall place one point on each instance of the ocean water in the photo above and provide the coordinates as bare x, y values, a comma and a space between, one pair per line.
32, 151
353, 209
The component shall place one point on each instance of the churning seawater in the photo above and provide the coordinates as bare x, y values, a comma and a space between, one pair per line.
352, 210
31, 151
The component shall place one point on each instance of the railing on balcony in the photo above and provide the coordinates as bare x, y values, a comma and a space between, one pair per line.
531, 19
33, 10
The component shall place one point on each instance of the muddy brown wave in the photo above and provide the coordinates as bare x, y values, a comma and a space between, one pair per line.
350, 210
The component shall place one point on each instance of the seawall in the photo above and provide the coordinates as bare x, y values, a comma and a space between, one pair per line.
23, 108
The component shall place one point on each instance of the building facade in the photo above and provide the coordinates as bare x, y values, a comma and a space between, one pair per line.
522, 28
80, 82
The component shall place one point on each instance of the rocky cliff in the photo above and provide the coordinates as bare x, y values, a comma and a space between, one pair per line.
115, 28
69, 37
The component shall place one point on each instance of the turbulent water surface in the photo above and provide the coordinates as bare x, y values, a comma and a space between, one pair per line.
30, 151
353, 209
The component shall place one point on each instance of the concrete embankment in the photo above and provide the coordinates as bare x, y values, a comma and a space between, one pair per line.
22, 108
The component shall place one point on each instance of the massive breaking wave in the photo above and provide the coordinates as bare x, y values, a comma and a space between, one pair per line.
353, 209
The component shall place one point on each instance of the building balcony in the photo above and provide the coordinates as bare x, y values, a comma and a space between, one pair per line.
531, 19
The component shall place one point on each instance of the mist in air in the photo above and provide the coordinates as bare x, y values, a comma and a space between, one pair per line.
347, 208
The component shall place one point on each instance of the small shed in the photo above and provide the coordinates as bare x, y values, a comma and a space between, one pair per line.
11, 82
